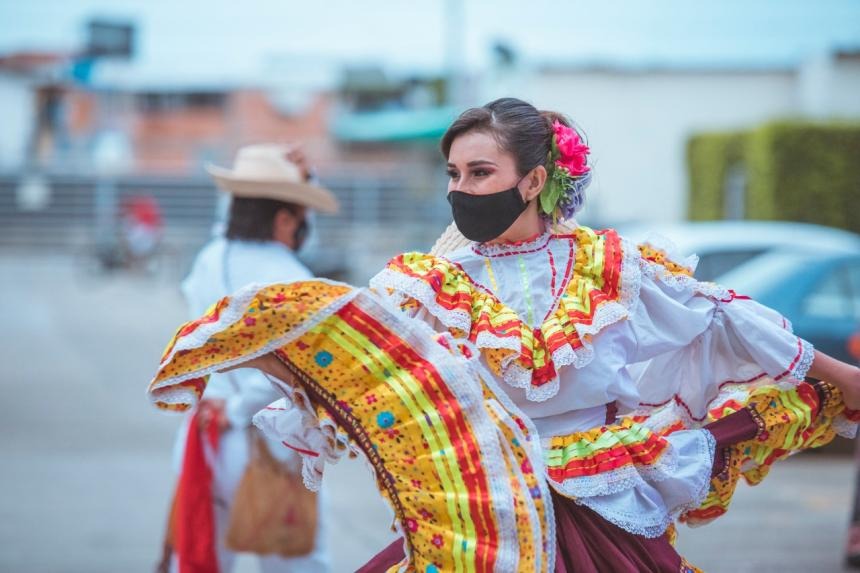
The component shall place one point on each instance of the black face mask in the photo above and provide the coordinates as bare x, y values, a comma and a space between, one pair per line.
482, 218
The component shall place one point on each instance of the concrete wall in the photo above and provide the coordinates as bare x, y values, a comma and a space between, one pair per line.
17, 116
638, 122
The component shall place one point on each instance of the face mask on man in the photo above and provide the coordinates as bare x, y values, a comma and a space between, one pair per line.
302, 233
482, 218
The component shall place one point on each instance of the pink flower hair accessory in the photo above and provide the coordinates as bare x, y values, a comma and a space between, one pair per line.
569, 174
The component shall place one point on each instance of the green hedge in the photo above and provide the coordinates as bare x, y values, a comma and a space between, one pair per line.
709, 158
795, 171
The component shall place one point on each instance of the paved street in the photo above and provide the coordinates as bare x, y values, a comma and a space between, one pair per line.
85, 476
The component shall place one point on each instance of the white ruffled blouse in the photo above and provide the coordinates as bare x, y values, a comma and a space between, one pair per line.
669, 337
665, 343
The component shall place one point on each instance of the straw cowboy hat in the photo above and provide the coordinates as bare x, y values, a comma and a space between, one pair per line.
263, 171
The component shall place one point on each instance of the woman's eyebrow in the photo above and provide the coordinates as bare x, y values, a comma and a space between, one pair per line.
476, 162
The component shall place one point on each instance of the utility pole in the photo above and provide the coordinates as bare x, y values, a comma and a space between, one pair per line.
454, 23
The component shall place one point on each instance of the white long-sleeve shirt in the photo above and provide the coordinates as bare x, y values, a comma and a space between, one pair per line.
222, 267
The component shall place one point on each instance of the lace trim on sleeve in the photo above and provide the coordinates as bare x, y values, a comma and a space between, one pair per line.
318, 442
399, 286
804, 361
655, 523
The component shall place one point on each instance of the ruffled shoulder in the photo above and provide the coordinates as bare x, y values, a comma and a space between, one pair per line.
660, 260
441, 286
602, 287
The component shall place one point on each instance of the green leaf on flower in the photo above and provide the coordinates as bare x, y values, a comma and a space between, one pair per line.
550, 195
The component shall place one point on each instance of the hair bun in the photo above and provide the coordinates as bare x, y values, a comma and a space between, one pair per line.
553, 116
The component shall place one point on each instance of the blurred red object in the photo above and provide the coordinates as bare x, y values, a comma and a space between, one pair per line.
144, 210
142, 226
854, 345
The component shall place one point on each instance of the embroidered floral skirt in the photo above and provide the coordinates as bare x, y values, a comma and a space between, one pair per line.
748, 439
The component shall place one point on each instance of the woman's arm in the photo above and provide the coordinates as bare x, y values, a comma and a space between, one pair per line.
267, 363
844, 376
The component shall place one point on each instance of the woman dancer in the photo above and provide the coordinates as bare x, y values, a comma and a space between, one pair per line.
533, 394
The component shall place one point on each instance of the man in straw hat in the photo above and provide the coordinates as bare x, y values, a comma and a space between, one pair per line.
271, 193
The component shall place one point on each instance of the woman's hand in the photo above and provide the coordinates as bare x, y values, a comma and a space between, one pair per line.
268, 363
851, 390
842, 375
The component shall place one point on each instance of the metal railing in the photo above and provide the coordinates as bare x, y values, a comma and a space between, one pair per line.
379, 217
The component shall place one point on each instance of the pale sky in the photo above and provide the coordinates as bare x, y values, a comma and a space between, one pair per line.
218, 39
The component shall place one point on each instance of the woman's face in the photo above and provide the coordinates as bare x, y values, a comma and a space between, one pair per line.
477, 166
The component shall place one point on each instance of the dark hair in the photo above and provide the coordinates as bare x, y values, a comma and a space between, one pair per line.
254, 219
518, 127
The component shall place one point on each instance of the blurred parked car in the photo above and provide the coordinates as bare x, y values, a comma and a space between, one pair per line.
809, 273
818, 292
724, 245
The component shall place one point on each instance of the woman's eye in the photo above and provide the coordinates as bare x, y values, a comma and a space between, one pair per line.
480, 173
452, 174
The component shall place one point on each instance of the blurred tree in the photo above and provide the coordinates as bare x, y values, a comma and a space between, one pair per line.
792, 171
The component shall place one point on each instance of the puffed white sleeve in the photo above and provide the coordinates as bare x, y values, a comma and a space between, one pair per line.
255, 393
693, 340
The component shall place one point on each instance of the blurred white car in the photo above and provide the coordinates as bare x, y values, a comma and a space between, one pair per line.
725, 245
809, 273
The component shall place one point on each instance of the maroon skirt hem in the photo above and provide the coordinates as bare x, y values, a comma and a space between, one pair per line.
588, 543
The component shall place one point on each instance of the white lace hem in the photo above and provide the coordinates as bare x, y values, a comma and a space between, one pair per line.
628, 477
238, 305
232, 313
652, 521
683, 283
804, 363
405, 286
